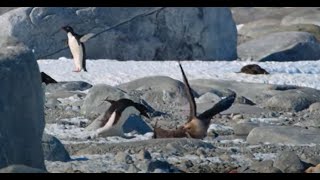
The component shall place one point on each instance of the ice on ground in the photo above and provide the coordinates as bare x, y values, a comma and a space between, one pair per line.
113, 72
69, 133
220, 128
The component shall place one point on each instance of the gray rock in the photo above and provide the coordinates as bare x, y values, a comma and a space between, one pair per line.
184, 145
208, 97
288, 162
173, 148
281, 46
94, 102
158, 90
237, 117
313, 159
284, 134
68, 86
293, 100
64, 94
6, 9
21, 106
123, 157
243, 109
170, 34
243, 129
303, 16
157, 164
188, 163
133, 169
243, 15
53, 149
201, 152
255, 93
262, 27
264, 167
52, 103
250, 28
136, 123
315, 107
243, 39
75, 108
21, 169
243, 100
157, 170
143, 154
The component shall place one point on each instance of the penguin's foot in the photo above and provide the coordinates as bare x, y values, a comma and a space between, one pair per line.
93, 136
77, 70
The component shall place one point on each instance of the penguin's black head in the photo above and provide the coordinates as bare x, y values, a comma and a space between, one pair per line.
67, 29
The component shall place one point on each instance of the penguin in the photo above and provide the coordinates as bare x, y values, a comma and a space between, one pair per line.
197, 125
117, 114
77, 49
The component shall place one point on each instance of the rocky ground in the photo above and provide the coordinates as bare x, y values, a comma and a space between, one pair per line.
268, 129
277, 33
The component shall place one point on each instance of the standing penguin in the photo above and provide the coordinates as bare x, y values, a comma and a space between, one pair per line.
117, 114
77, 49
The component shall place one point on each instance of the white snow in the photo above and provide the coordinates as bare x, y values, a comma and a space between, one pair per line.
239, 26
233, 141
68, 133
271, 121
113, 72
265, 156
219, 127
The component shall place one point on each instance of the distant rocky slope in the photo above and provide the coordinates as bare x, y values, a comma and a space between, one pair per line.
278, 33
151, 34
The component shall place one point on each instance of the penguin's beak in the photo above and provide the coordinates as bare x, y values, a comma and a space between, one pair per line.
63, 28
145, 115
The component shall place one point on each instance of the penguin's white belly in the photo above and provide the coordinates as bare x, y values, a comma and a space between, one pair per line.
116, 130
76, 51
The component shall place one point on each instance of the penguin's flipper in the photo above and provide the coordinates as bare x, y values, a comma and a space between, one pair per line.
86, 37
110, 101
65, 42
84, 58
222, 105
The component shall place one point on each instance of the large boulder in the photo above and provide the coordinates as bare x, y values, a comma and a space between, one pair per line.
261, 24
21, 106
68, 86
273, 97
168, 34
255, 93
94, 103
281, 46
6, 9
53, 149
258, 28
303, 16
293, 99
289, 162
157, 90
243, 15
18, 168
284, 134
